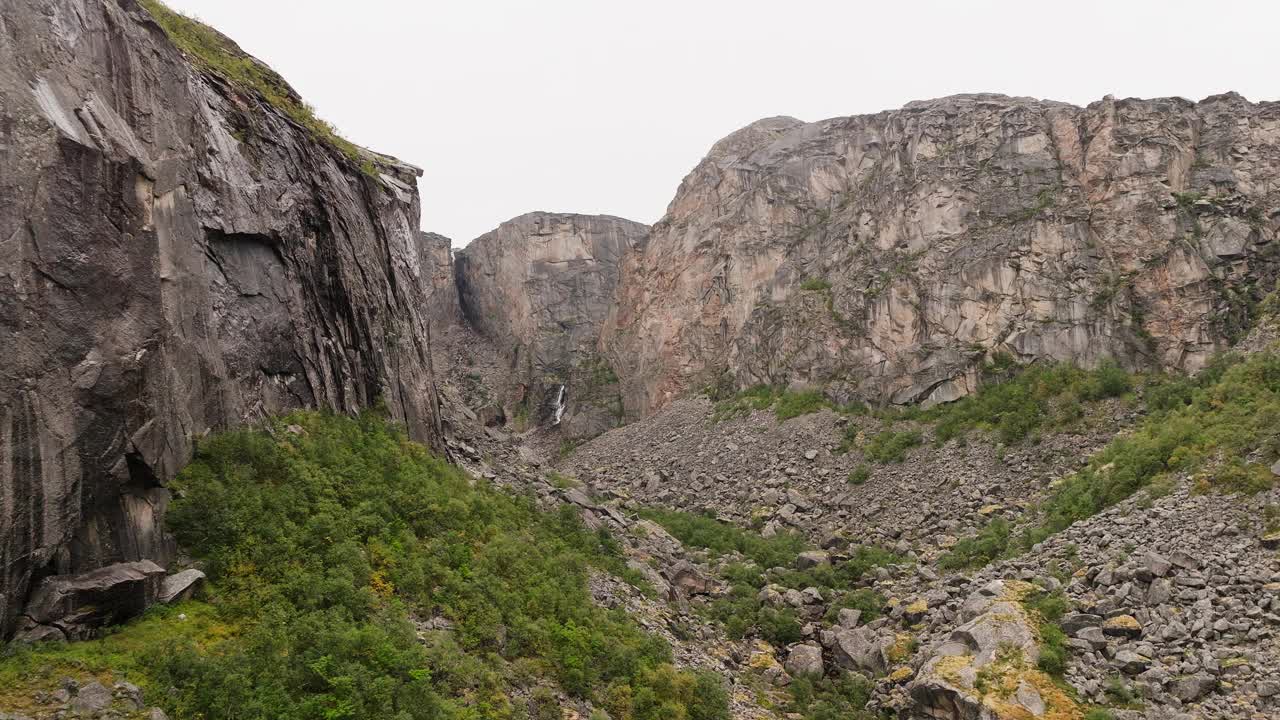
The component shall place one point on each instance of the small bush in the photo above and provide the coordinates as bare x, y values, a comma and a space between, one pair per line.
794, 404
991, 542
721, 537
891, 445
786, 404
835, 698
815, 285
1020, 402
860, 474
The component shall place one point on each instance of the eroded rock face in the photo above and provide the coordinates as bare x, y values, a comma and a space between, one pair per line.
885, 256
176, 256
540, 286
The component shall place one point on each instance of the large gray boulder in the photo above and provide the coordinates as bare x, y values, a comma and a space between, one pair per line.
177, 256
805, 661
75, 605
180, 586
863, 649
986, 670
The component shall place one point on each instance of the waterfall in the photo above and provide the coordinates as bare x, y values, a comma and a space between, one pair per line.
559, 406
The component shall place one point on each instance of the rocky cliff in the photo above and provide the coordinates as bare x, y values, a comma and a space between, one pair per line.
540, 286
886, 256
179, 251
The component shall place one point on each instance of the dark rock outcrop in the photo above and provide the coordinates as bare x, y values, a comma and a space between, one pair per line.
73, 606
540, 285
176, 255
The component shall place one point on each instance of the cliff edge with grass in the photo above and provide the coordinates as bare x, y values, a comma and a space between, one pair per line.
184, 247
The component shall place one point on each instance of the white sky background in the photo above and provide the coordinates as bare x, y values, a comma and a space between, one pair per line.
603, 106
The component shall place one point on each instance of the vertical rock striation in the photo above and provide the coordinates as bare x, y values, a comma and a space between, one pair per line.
540, 285
176, 255
886, 256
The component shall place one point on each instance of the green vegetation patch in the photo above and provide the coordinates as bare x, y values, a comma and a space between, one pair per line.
841, 698
1032, 398
771, 561
1221, 427
323, 549
891, 445
215, 52
786, 403
1204, 426
722, 538
1046, 609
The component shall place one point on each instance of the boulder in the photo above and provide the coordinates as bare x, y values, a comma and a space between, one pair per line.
688, 579
862, 649
1122, 626
91, 698
180, 586
805, 661
812, 558
77, 604
1193, 687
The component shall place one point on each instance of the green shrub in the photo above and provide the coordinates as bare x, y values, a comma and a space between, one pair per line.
1045, 609
794, 404
815, 285
1200, 426
721, 537
860, 474
321, 545
838, 698
740, 610
1231, 411
756, 397
991, 542
1018, 402
891, 445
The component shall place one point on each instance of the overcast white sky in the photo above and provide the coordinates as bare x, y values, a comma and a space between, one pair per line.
599, 106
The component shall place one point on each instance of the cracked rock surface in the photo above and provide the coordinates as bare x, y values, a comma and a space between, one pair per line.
176, 256
885, 256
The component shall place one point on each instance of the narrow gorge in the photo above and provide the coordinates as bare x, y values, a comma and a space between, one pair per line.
964, 410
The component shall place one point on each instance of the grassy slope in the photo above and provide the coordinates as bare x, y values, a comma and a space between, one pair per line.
1221, 428
322, 546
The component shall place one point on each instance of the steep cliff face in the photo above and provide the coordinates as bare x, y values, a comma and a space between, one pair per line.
540, 286
176, 255
885, 256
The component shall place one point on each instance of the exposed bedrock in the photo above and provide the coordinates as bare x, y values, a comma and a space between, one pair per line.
886, 256
539, 286
176, 256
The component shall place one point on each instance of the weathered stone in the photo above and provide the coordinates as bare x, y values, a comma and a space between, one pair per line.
91, 698
541, 285
77, 604
688, 579
805, 661
1131, 662
914, 236
812, 558
180, 586
164, 276
862, 649
1072, 623
1194, 687
1122, 626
